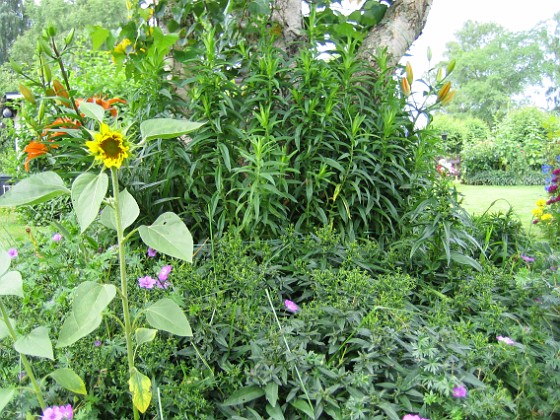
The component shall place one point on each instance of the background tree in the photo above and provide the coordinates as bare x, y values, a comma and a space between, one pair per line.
12, 23
550, 32
493, 66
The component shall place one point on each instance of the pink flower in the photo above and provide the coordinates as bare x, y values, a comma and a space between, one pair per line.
164, 272
151, 252
146, 282
57, 237
291, 306
97, 343
527, 258
64, 412
505, 340
413, 417
460, 392
12, 253
162, 284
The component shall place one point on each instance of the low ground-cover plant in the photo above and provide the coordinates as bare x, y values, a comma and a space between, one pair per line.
368, 340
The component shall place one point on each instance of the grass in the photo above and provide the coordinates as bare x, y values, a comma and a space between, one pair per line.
478, 199
12, 231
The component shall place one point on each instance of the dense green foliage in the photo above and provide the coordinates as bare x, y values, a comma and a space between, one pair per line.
369, 340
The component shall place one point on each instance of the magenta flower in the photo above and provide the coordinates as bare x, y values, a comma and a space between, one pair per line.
57, 237
151, 252
527, 258
413, 417
162, 284
97, 343
460, 391
505, 340
12, 253
164, 272
291, 306
64, 412
146, 282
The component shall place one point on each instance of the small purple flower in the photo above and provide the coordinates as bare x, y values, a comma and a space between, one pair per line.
460, 391
527, 258
66, 411
413, 417
151, 252
505, 340
146, 282
162, 284
164, 272
291, 306
12, 253
546, 168
57, 237
556, 172
97, 343
21, 376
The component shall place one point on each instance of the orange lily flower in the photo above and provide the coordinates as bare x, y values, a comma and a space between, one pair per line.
34, 149
60, 123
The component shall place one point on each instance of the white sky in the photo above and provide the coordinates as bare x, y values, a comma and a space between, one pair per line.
448, 16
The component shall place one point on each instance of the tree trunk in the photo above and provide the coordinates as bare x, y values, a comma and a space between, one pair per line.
288, 14
400, 27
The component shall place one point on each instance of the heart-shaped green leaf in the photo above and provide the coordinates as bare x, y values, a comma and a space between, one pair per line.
169, 235
69, 380
36, 189
92, 110
90, 299
4, 330
11, 284
166, 128
167, 316
129, 211
88, 192
36, 343
144, 335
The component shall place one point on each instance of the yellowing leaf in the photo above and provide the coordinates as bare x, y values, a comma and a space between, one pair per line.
141, 388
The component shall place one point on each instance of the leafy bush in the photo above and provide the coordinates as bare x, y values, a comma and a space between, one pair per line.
503, 178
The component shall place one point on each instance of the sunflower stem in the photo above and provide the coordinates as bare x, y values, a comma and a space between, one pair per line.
122, 268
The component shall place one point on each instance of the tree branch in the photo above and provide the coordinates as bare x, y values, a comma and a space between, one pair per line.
400, 27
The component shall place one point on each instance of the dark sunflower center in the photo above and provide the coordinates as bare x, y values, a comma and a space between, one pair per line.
111, 147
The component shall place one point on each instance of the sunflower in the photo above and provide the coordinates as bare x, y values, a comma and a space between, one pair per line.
109, 146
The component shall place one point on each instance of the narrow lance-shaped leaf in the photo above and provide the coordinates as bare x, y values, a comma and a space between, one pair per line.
36, 189
169, 235
36, 343
166, 128
88, 192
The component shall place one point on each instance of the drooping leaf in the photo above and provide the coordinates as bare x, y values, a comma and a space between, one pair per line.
69, 380
38, 188
36, 343
4, 331
144, 335
88, 192
243, 395
11, 284
6, 395
166, 315
166, 128
129, 211
141, 388
92, 110
169, 235
271, 391
90, 299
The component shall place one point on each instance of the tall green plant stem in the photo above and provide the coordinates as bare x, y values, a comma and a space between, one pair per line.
122, 270
26, 363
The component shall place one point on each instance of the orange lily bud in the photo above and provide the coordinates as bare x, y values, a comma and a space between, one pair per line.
409, 73
449, 97
443, 91
59, 89
405, 86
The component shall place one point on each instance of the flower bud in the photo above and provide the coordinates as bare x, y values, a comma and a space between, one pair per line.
405, 86
409, 73
59, 89
449, 97
439, 76
27, 94
429, 54
451, 66
443, 91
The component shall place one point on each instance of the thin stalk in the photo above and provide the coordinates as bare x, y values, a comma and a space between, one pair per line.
288, 348
26, 363
124, 293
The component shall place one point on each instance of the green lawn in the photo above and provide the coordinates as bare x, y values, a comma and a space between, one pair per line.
478, 199
11, 229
